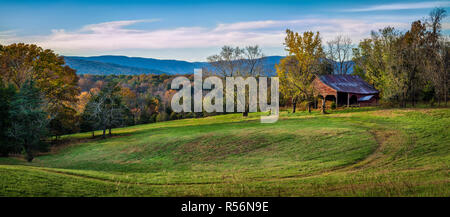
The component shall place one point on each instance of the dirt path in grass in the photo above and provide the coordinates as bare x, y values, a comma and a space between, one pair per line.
387, 143
385, 139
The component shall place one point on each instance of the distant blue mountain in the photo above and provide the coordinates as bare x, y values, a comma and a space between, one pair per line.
84, 66
132, 65
350, 70
138, 65
168, 66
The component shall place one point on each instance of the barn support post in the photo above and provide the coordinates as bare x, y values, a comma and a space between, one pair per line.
323, 104
336, 99
348, 100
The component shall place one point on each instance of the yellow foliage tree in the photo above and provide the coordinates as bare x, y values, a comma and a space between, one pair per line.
298, 70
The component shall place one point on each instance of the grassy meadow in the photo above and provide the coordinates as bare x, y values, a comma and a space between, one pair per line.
353, 152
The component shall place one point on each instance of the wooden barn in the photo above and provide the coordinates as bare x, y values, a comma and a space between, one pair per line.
346, 90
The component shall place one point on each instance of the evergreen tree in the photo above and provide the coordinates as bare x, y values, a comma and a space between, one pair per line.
6, 95
28, 120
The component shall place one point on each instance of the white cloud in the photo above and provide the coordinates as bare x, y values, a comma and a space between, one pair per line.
112, 26
7, 33
119, 36
402, 6
446, 26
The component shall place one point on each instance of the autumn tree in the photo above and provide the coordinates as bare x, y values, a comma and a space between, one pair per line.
412, 45
83, 99
58, 82
379, 59
288, 65
148, 108
129, 99
298, 70
64, 121
106, 109
144, 95
404, 66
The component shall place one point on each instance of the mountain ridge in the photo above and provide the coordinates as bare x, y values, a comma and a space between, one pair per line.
124, 65
86, 65
101, 68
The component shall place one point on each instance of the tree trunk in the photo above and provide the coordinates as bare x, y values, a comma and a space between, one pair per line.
246, 110
245, 113
93, 134
104, 132
309, 107
110, 131
29, 157
294, 105
404, 101
323, 106
445, 96
28, 154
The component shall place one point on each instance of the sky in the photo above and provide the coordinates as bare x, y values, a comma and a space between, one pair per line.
194, 30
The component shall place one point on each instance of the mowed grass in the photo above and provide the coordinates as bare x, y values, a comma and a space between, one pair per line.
354, 152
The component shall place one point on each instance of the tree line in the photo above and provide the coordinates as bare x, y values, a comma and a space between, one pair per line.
411, 66
41, 98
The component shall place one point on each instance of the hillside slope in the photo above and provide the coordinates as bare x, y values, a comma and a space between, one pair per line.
358, 152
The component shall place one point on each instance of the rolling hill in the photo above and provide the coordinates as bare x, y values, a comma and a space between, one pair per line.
357, 152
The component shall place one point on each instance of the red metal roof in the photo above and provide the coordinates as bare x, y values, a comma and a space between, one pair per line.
348, 84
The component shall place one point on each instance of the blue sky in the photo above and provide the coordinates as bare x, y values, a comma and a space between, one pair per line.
193, 30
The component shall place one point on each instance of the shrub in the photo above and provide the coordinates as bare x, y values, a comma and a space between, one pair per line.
333, 105
173, 116
189, 115
162, 116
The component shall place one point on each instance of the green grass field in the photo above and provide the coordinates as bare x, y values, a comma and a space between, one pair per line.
354, 152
